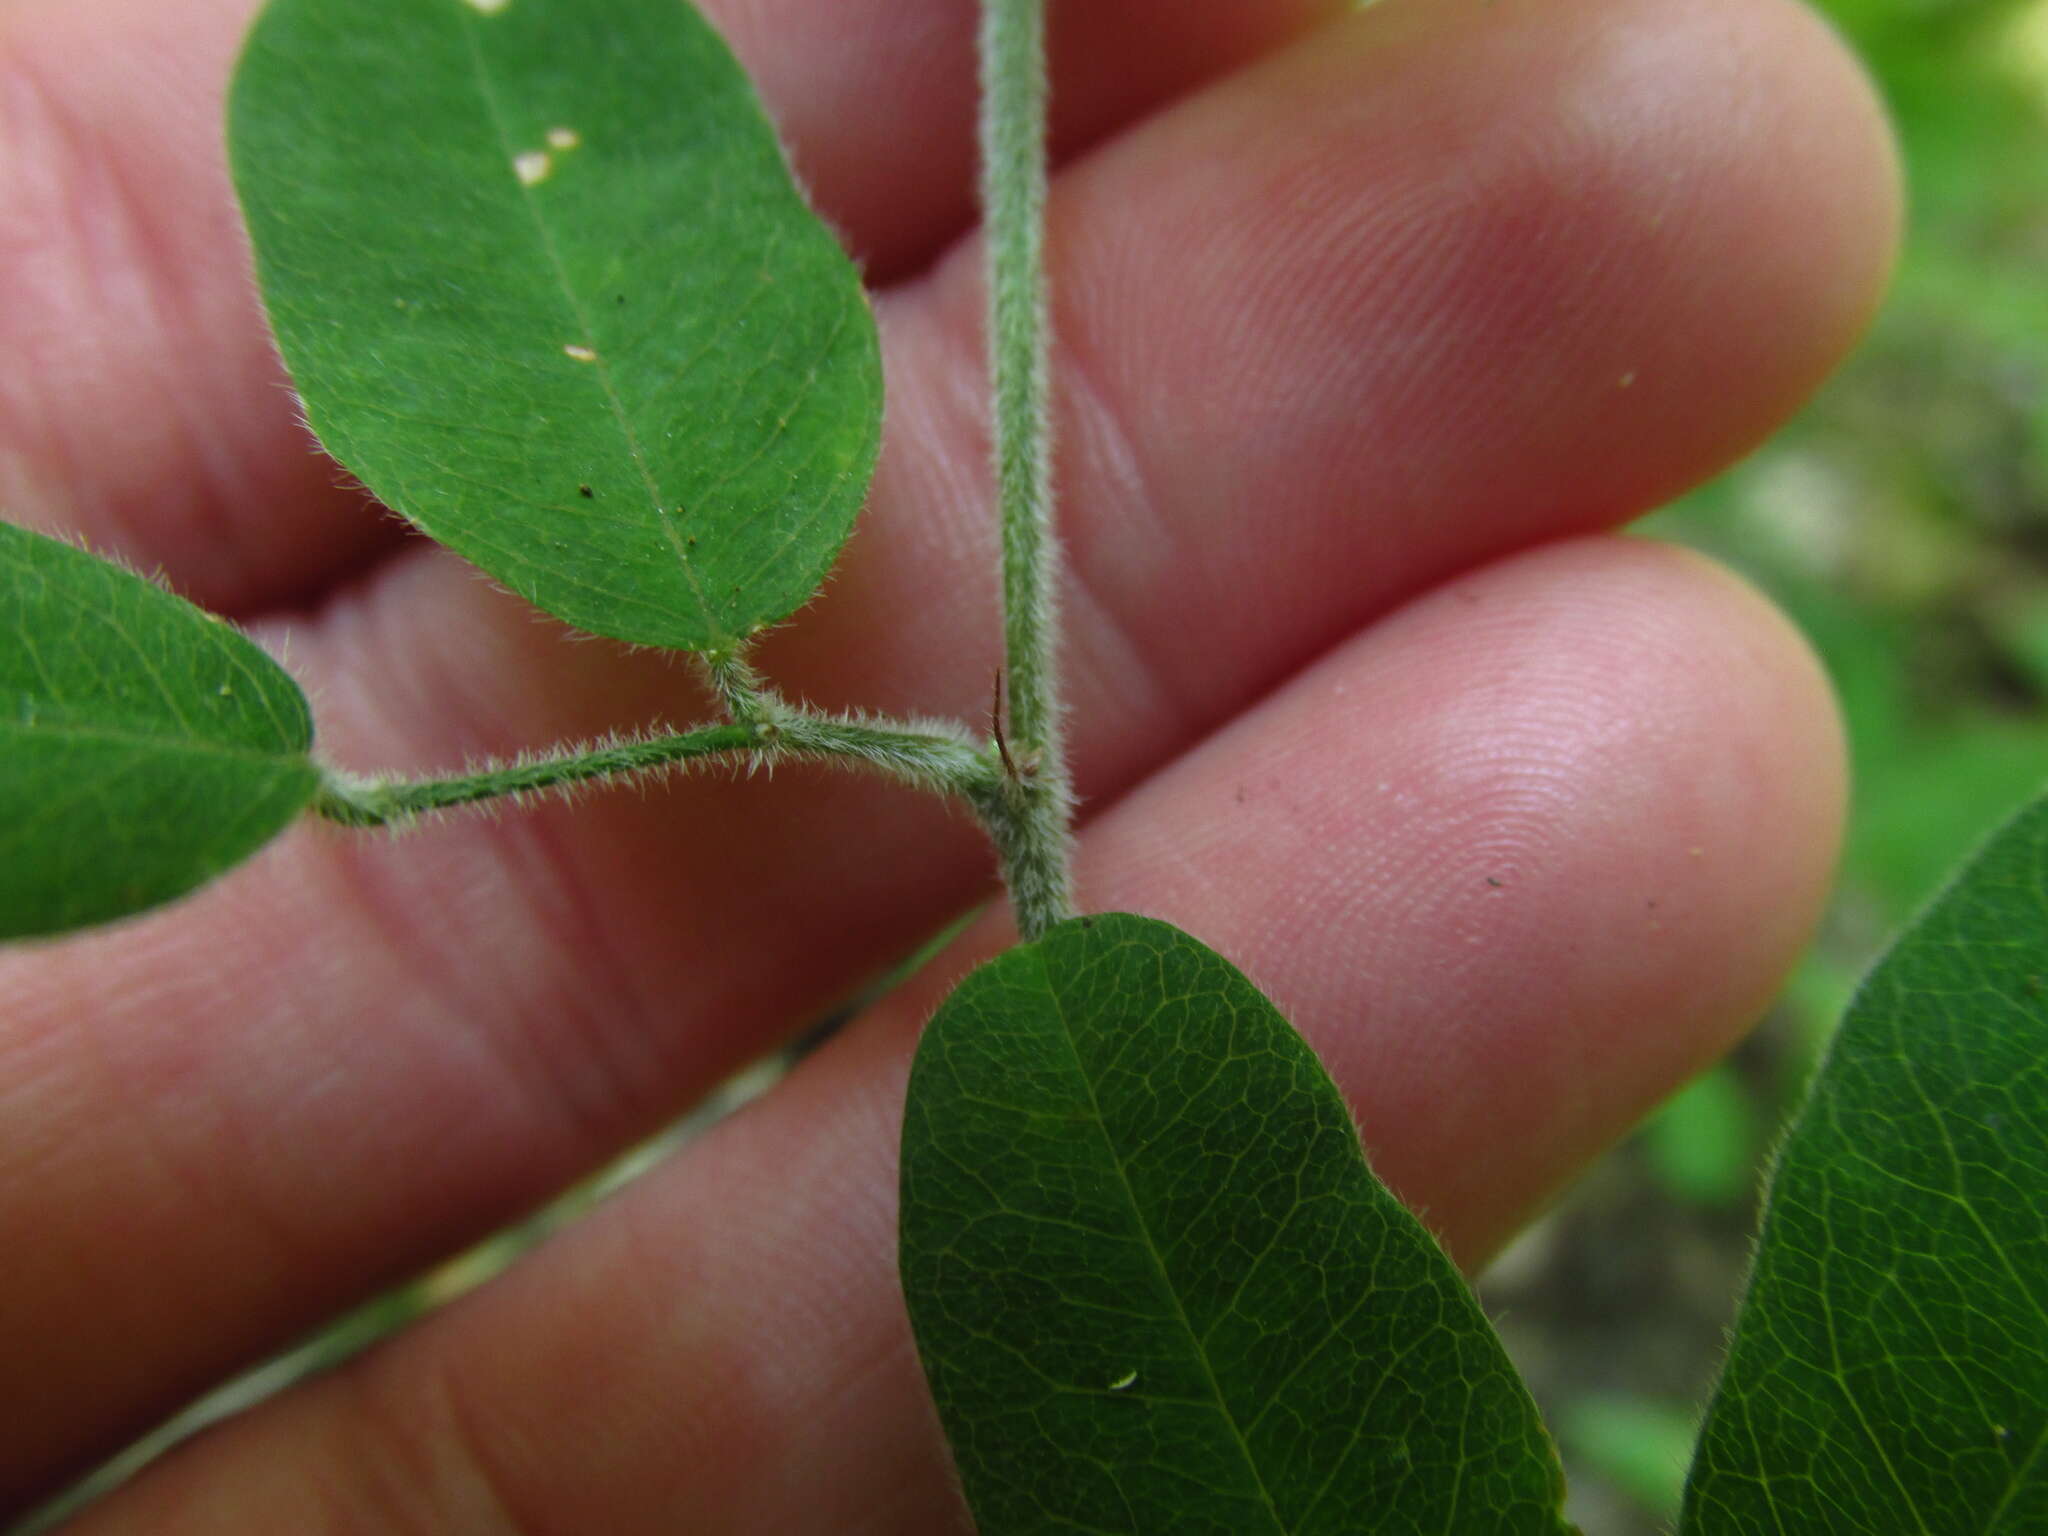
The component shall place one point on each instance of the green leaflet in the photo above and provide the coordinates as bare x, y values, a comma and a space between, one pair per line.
144, 745
1154, 1284
546, 287
1890, 1368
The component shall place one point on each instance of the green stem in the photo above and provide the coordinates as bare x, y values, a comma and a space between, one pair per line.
738, 686
928, 756
1029, 816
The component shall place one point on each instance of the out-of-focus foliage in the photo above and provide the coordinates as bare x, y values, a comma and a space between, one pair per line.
1639, 1445
1702, 1145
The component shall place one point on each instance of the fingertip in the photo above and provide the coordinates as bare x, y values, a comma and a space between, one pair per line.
1517, 861
1689, 214
1765, 165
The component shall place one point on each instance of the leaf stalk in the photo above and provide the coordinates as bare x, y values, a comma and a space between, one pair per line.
924, 754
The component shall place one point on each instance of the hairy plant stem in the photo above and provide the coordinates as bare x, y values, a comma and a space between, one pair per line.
739, 687
1029, 812
376, 802
929, 756
761, 728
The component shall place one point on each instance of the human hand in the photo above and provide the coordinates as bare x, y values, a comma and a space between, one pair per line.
1371, 326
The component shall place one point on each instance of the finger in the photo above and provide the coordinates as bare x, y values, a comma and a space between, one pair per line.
146, 409
397, 1045
1515, 862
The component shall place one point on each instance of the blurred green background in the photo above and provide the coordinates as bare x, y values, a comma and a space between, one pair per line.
1903, 521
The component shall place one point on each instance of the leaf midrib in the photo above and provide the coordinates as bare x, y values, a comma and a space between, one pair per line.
587, 334
1152, 1253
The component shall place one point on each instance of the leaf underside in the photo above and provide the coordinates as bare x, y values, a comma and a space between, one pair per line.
1890, 1367
145, 746
1156, 1288
546, 287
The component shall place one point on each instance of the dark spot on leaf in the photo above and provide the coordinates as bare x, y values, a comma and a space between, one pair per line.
585, 492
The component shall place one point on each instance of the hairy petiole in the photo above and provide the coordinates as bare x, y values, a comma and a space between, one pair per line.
929, 755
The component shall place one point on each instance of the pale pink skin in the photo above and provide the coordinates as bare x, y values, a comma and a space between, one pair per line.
1373, 326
